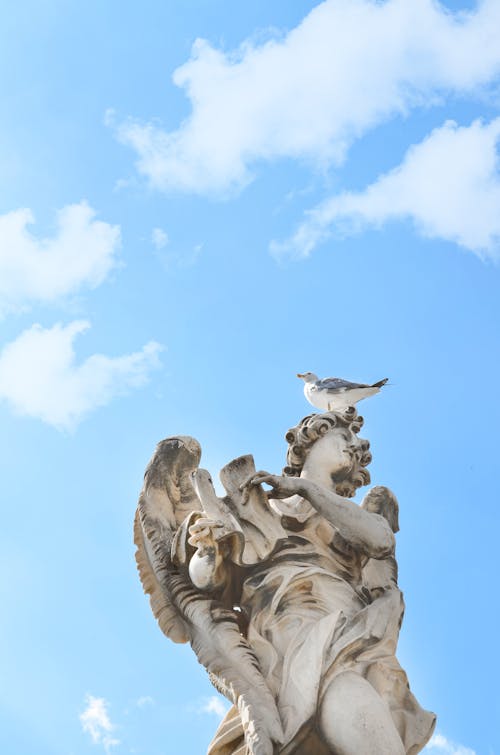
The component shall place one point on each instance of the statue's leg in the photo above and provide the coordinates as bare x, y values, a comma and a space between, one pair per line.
354, 720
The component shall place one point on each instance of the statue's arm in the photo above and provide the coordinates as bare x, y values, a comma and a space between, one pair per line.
367, 532
363, 530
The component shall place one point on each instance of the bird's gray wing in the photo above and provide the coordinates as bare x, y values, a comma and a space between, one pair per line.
334, 385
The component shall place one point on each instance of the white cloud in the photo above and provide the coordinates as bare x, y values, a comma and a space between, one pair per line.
214, 705
96, 722
187, 258
440, 744
449, 185
143, 701
159, 238
40, 378
348, 66
80, 253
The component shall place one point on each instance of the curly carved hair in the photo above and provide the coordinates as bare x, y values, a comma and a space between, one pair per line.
314, 426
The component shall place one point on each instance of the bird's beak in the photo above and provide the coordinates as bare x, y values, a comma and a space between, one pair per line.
300, 374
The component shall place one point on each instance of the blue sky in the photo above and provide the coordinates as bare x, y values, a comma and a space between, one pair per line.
184, 225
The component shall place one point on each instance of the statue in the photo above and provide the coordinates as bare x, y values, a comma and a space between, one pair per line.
288, 596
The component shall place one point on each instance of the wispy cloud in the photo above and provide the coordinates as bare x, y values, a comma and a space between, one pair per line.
448, 185
159, 238
39, 375
170, 258
440, 745
144, 701
96, 722
81, 253
348, 66
214, 705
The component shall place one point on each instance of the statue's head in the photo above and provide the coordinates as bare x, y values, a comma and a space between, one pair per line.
327, 445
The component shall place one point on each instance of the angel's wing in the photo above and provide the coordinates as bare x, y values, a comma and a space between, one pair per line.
381, 500
166, 498
184, 613
379, 574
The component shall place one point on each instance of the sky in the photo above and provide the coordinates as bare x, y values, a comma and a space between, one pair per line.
197, 201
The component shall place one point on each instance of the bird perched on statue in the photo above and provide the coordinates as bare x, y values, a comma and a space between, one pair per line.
335, 394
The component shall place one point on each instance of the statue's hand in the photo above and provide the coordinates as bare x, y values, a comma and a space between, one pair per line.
204, 535
281, 487
205, 565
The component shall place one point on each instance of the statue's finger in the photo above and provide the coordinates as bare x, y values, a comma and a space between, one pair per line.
198, 527
207, 522
249, 481
261, 477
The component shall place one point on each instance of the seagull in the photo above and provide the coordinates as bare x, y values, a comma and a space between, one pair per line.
335, 393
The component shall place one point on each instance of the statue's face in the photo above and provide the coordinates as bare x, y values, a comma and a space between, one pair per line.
334, 456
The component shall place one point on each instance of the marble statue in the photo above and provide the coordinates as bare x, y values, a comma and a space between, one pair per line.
288, 594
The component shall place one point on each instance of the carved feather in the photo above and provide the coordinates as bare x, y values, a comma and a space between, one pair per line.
167, 496
184, 613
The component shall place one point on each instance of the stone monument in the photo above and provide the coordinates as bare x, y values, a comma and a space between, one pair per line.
288, 595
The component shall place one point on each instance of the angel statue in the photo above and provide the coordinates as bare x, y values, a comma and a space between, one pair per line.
288, 594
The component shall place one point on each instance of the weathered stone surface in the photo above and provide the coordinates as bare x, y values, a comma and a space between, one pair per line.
289, 598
